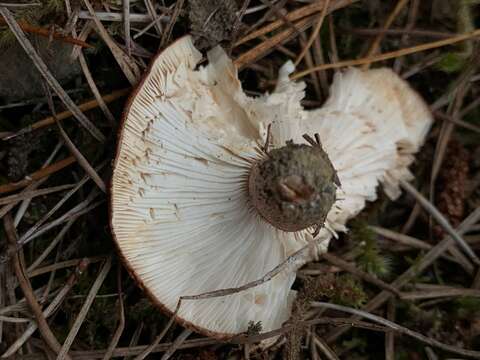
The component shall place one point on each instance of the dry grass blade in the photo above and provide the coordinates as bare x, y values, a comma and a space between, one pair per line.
50, 34
37, 175
27, 289
62, 265
121, 316
91, 82
342, 264
315, 32
430, 354
391, 55
148, 349
88, 105
153, 18
416, 269
291, 261
51, 246
391, 18
117, 17
275, 9
31, 187
168, 30
49, 310
324, 348
442, 221
126, 25
82, 208
457, 121
82, 161
432, 294
19, 5
390, 336
400, 32
399, 329
128, 66
33, 193
269, 44
30, 232
265, 47
43, 69
303, 12
84, 310
410, 25
409, 241
178, 341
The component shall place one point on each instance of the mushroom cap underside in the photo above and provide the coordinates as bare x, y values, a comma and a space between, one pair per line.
180, 213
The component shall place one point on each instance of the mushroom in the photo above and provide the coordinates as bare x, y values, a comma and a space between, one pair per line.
212, 189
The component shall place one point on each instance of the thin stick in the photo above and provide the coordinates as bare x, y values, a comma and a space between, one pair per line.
292, 261
19, 5
27, 289
376, 42
442, 221
398, 328
429, 258
51, 246
401, 32
88, 105
128, 66
37, 175
82, 161
43, 69
410, 241
80, 209
342, 264
96, 93
168, 30
121, 315
178, 341
57, 206
50, 34
297, 14
148, 349
390, 336
433, 294
84, 310
62, 265
126, 25
268, 45
33, 193
391, 55
117, 17
152, 15
49, 310
324, 348
314, 33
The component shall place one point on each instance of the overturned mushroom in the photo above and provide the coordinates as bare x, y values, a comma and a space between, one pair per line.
212, 189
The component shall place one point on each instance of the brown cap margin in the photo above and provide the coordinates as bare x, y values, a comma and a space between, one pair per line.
124, 260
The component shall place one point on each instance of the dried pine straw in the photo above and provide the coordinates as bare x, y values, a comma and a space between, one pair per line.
62, 217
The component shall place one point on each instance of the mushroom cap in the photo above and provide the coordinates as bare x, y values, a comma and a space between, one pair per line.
180, 212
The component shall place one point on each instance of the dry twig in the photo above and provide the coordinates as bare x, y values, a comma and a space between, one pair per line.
27, 289
84, 310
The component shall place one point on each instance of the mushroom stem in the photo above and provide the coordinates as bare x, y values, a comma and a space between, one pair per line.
294, 186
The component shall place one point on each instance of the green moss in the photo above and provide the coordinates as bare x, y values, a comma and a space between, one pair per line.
370, 259
451, 63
